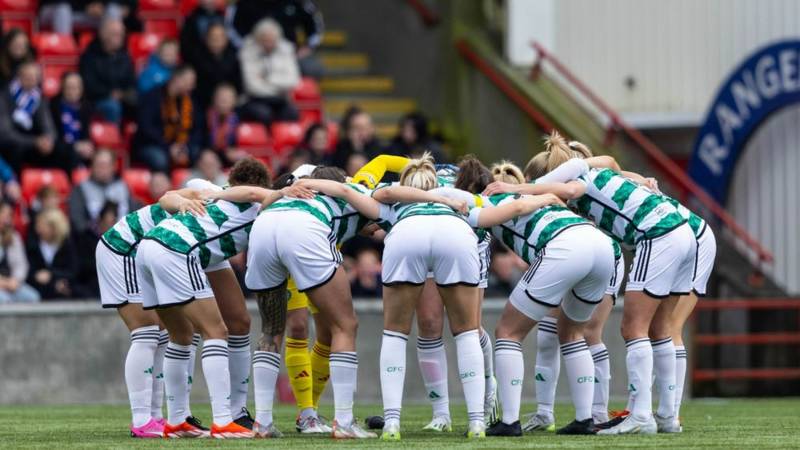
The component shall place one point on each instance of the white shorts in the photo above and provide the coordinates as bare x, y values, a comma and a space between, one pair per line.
616, 278
117, 277
664, 266
571, 271
295, 243
169, 278
485, 260
444, 245
704, 264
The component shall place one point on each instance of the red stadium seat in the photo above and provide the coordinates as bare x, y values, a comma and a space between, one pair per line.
166, 27
333, 135
149, 6
54, 44
34, 179
253, 137
51, 79
84, 39
307, 91
138, 181
79, 174
106, 135
141, 45
25, 24
286, 135
179, 177
18, 6
187, 6
309, 116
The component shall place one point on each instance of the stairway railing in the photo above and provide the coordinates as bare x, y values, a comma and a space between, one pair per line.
656, 156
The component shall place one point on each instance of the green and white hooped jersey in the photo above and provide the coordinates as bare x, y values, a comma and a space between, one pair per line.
530, 233
218, 235
343, 219
391, 214
125, 235
625, 210
696, 223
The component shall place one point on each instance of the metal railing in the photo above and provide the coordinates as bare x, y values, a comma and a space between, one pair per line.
656, 156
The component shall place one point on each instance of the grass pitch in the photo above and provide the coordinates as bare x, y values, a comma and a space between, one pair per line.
728, 424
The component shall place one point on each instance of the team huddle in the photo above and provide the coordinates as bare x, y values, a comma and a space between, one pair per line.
568, 215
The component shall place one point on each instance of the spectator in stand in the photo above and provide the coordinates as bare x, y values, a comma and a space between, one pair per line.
16, 49
108, 72
298, 157
10, 188
103, 185
357, 136
195, 30
355, 161
26, 129
315, 141
219, 64
169, 133
291, 15
52, 256
47, 197
413, 139
221, 122
269, 72
62, 16
160, 66
158, 186
13, 262
209, 167
85, 285
71, 116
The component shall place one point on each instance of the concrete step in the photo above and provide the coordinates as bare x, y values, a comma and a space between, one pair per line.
344, 63
368, 84
334, 39
379, 107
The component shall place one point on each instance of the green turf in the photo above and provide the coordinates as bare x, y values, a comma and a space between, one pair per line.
728, 424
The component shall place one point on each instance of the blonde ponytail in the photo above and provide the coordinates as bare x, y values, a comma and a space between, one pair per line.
507, 172
557, 151
420, 173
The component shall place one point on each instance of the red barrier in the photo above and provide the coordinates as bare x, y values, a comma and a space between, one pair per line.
745, 374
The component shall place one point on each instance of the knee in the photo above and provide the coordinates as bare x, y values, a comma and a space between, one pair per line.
429, 327
217, 330
568, 334
239, 325
503, 332
297, 329
660, 329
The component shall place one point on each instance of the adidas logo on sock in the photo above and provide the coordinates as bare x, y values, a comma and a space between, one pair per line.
539, 377
302, 374
433, 395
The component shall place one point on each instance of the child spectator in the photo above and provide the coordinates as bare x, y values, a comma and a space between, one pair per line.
221, 122
169, 133
269, 72
13, 261
108, 72
26, 129
209, 167
357, 136
413, 139
71, 119
160, 66
218, 64
87, 198
52, 257
16, 49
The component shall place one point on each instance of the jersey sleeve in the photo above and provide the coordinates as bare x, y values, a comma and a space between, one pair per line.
568, 171
372, 172
472, 218
386, 214
457, 194
201, 185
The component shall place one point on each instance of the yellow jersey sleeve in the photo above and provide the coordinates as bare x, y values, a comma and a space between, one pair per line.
372, 172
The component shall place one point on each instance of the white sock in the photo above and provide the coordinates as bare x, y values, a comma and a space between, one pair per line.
548, 366
639, 362
176, 376
218, 379
344, 378
680, 377
580, 373
239, 347
139, 372
266, 366
190, 375
488, 361
664, 369
432, 360
602, 376
393, 374
157, 399
470, 370
510, 372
